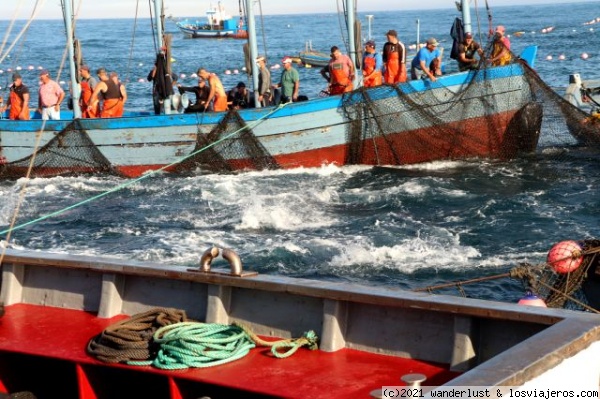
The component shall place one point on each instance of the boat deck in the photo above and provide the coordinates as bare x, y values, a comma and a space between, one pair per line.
38, 343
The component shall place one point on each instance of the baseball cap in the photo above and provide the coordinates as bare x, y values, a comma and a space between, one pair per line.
370, 43
44, 72
469, 35
432, 41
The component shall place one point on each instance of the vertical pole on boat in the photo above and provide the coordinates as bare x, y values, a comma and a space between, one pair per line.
369, 18
75, 87
466, 15
418, 34
253, 46
350, 20
158, 9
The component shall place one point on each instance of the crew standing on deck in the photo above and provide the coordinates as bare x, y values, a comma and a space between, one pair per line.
371, 66
50, 97
106, 100
394, 59
88, 83
421, 66
18, 100
264, 82
501, 48
341, 72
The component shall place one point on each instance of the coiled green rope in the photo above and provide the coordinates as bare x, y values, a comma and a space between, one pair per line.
190, 344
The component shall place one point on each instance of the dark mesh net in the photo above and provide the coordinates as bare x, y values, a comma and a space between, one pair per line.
71, 152
230, 146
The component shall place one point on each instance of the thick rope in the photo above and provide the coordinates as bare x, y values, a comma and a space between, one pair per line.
129, 341
202, 345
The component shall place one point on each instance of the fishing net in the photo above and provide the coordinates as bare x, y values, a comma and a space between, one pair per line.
490, 114
70, 152
230, 146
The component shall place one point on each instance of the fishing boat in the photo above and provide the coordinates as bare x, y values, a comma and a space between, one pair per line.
89, 327
312, 57
584, 94
491, 113
584, 118
218, 25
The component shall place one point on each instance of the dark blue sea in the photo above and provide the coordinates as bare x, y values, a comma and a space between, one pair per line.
408, 227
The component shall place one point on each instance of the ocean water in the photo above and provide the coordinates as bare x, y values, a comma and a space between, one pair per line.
409, 227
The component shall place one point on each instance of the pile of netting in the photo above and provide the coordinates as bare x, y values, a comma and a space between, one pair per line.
439, 120
570, 278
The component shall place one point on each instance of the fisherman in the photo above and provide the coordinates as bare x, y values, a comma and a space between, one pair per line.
394, 59
18, 100
123, 94
466, 53
217, 92
423, 59
289, 83
371, 66
50, 97
88, 83
341, 72
264, 82
202, 91
239, 97
501, 48
106, 100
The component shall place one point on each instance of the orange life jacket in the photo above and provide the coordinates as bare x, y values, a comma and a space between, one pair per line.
340, 81
369, 68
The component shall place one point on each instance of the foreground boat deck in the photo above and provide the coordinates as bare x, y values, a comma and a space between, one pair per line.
36, 339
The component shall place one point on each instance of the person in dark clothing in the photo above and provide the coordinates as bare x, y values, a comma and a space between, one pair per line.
239, 97
201, 91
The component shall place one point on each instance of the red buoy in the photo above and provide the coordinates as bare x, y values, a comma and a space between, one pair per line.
532, 300
565, 256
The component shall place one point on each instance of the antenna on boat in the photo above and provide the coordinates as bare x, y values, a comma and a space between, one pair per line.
253, 46
75, 87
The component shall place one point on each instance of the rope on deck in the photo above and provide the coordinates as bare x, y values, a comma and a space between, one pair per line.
166, 339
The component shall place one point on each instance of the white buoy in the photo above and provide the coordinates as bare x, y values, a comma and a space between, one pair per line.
235, 71
244, 69
193, 76
584, 56
31, 67
140, 80
1, 70
141, 64
19, 68
227, 72
561, 57
9, 70
549, 57
182, 76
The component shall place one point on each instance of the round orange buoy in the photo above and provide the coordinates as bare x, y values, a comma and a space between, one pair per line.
532, 300
565, 256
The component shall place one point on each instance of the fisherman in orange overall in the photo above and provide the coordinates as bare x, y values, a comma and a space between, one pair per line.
18, 101
217, 91
111, 97
394, 59
88, 83
123, 94
341, 72
371, 66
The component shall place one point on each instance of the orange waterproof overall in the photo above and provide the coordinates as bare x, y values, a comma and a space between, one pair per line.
16, 106
340, 82
395, 70
368, 67
86, 95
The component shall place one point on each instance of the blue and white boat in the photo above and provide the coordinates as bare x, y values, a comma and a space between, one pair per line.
490, 114
218, 25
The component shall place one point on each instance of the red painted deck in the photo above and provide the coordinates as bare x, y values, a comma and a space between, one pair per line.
42, 350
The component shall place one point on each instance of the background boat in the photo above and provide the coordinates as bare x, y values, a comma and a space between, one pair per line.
218, 25
311, 57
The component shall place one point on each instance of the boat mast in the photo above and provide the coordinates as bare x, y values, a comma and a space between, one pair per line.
466, 14
350, 21
158, 15
252, 44
75, 87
